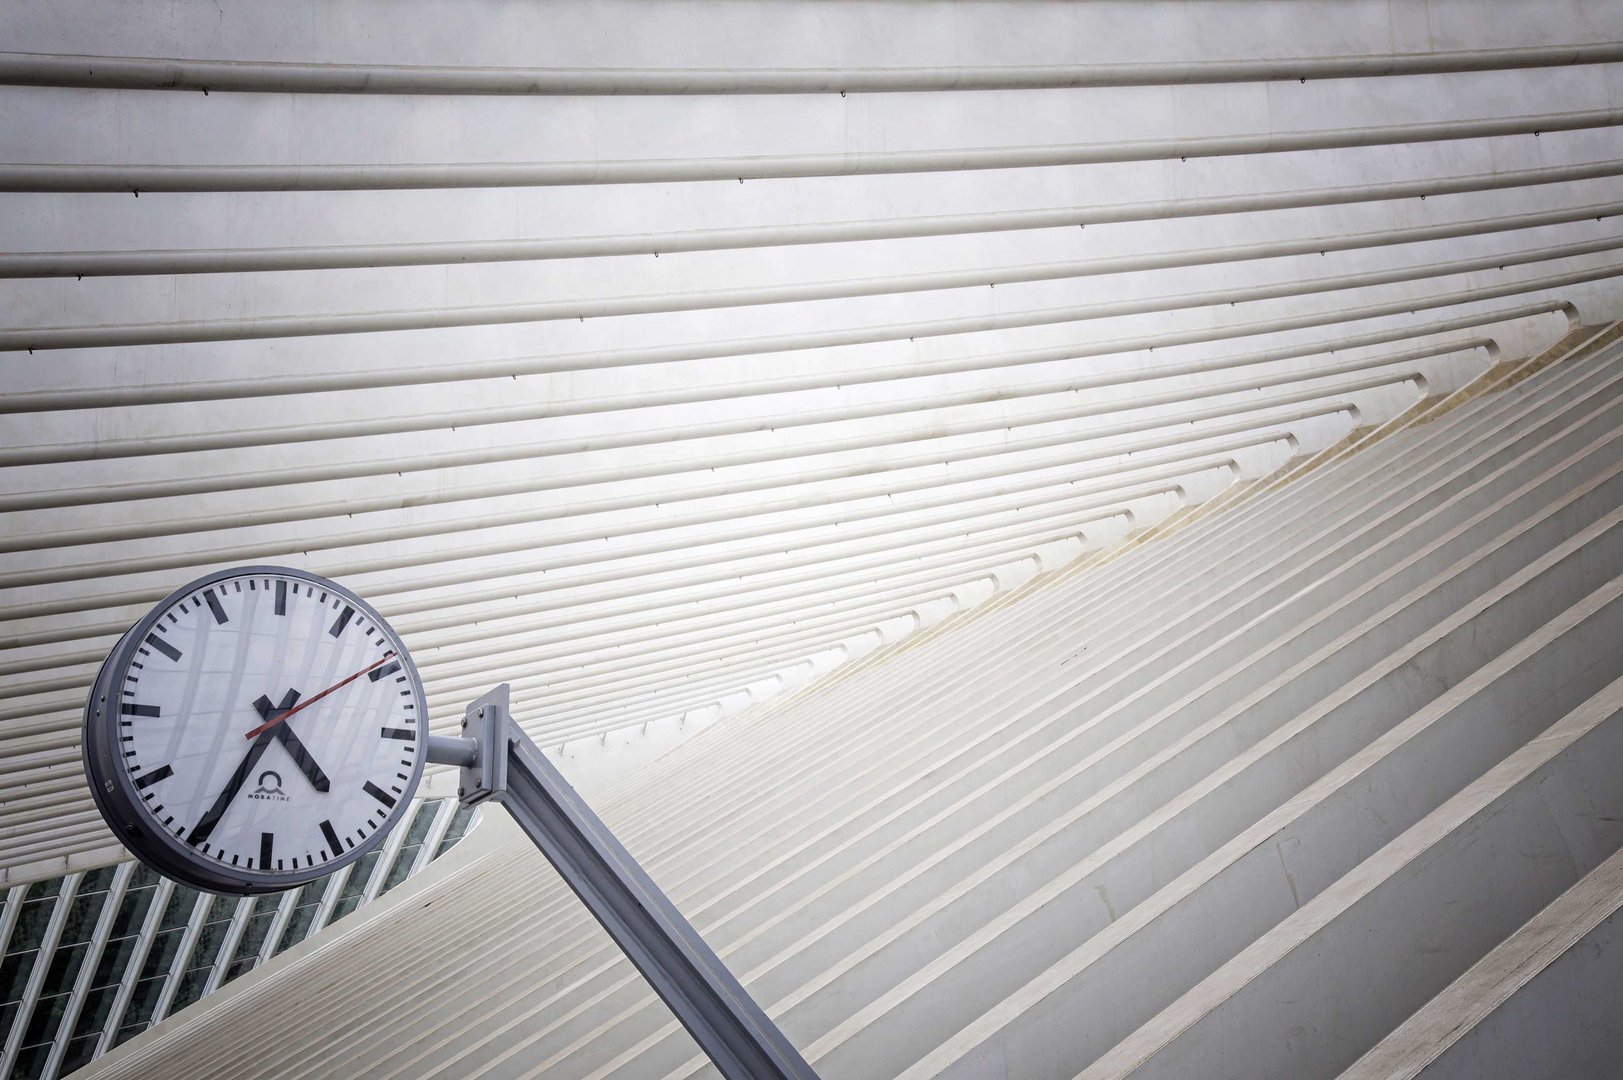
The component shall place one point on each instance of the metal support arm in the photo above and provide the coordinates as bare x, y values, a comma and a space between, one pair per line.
500, 763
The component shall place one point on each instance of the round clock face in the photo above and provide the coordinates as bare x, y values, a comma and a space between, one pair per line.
259, 728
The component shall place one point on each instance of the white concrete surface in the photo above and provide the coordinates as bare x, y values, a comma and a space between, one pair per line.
1038, 885
1018, 512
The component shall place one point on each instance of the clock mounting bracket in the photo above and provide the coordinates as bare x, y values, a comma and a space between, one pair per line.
500, 763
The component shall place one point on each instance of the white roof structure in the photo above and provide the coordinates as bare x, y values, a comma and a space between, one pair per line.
819, 377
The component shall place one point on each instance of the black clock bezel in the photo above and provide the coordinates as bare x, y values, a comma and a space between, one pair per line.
120, 803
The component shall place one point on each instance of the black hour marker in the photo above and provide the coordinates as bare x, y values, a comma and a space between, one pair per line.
281, 598
386, 669
378, 793
130, 708
343, 621
399, 733
267, 841
332, 838
214, 605
146, 780
163, 646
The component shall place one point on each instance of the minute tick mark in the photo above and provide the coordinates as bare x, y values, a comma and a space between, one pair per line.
146, 780
163, 646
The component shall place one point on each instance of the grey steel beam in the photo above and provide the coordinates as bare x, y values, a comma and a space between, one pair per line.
36, 977
87, 969
443, 816
283, 77
329, 900
402, 176
8, 918
262, 327
183, 955
456, 252
279, 921
228, 947
386, 857
149, 930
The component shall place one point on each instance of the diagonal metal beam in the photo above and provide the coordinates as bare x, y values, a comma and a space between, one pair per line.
502, 764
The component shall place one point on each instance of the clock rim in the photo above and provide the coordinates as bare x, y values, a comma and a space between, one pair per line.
120, 804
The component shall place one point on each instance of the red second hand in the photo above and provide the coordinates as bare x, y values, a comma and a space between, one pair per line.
307, 702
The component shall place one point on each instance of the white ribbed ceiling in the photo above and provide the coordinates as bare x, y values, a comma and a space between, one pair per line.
654, 357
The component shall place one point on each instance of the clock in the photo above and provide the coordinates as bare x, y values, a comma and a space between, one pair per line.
259, 728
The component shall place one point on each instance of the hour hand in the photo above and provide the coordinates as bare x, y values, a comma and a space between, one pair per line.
263, 706
290, 741
301, 757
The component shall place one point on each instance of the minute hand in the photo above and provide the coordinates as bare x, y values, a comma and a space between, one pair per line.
309, 701
205, 826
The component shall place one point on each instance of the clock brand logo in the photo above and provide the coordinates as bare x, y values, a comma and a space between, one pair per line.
270, 786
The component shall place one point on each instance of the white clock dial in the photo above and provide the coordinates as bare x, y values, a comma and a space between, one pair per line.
266, 726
